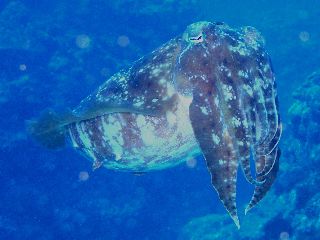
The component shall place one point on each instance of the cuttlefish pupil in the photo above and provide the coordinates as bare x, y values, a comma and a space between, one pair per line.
197, 39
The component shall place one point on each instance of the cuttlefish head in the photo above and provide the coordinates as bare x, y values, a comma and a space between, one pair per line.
195, 56
234, 110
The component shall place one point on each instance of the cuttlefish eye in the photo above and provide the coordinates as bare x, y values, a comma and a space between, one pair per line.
195, 33
197, 39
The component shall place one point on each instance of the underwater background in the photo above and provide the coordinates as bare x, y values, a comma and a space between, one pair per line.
54, 53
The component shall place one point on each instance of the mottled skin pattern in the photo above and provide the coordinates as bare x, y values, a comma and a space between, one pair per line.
210, 92
152, 130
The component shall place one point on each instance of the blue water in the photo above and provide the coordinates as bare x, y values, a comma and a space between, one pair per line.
54, 53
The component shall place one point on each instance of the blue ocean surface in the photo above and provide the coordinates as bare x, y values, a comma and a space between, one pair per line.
55, 53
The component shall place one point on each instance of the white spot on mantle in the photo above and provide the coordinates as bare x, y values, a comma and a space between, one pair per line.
204, 110
215, 138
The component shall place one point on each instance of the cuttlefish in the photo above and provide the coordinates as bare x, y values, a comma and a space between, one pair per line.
209, 92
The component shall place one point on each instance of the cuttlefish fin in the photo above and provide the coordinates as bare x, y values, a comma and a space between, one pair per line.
93, 109
218, 151
50, 129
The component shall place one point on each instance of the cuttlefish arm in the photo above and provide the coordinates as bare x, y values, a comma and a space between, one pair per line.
217, 148
261, 191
